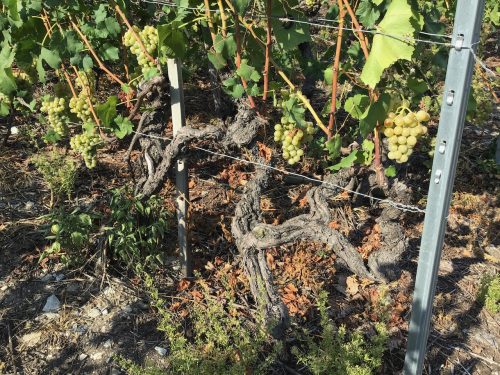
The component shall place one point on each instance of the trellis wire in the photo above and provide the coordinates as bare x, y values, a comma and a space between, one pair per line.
400, 206
372, 31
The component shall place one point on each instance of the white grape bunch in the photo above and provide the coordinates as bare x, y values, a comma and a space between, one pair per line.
403, 129
55, 108
86, 144
79, 105
293, 138
86, 81
149, 38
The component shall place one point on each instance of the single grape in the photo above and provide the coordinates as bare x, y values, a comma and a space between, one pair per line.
398, 130
423, 116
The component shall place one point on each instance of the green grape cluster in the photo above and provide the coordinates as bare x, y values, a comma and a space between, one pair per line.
57, 119
293, 139
79, 105
149, 37
86, 144
403, 131
86, 81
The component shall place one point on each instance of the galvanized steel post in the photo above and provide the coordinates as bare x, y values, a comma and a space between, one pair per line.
461, 61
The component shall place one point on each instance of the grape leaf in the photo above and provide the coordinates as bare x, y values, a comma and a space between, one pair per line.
386, 50
333, 147
247, 72
346, 162
356, 105
289, 38
374, 114
368, 13
107, 111
418, 86
328, 76
171, 41
241, 5
390, 171
125, 127
217, 60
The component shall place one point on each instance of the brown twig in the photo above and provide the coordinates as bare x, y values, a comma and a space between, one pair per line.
94, 54
377, 163
137, 37
362, 40
68, 80
335, 76
280, 71
238, 57
209, 20
268, 49
488, 85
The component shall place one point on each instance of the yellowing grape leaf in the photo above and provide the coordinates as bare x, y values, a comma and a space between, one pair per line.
386, 50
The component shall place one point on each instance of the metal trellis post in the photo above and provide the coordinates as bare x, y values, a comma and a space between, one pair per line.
181, 174
461, 60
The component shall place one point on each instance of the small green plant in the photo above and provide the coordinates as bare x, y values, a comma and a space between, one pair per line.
221, 342
489, 293
59, 172
339, 353
70, 234
137, 229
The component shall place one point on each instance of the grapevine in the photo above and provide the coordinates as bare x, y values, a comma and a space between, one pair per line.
149, 37
57, 119
403, 129
86, 144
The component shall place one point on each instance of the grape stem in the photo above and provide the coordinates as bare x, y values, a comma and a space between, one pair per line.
94, 54
223, 18
137, 37
238, 56
280, 71
335, 76
49, 27
362, 40
209, 21
268, 49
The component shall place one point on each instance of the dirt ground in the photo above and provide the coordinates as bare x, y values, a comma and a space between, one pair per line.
105, 314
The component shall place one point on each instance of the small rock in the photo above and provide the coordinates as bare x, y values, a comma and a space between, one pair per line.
82, 357
47, 277
29, 206
94, 313
73, 288
108, 343
445, 267
31, 339
97, 356
3, 288
127, 309
52, 305
161, 351
79, 328
104, 311
14, 130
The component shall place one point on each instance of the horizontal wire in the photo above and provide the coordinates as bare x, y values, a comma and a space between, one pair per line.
408, 40
311, 23
400, 206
